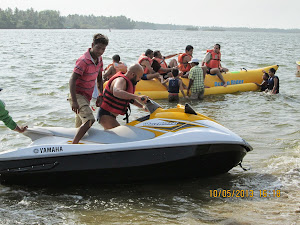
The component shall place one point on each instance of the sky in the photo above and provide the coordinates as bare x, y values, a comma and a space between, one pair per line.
223, 13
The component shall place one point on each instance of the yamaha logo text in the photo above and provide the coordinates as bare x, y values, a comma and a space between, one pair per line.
48, 149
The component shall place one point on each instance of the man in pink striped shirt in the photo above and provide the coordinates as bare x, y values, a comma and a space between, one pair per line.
88, 68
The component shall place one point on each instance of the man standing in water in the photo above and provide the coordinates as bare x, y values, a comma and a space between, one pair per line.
212, 61
118, 93
88, 68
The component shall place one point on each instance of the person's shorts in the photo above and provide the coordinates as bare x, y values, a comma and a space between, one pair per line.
173, 97
197, 95
144, 77
85, 111
102, 112
208, 72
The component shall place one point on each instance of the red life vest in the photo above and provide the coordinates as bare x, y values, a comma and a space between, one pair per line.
215, 61
141, 59
184, 67
162, 63
112, 103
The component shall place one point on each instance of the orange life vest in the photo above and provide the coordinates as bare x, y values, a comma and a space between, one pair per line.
141, 59
119, 67
215, 61
112, 103
162, 63
184, 67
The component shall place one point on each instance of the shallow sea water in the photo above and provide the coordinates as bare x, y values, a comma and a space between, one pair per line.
35, 69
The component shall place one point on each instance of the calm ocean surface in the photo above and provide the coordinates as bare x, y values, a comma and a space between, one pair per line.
35, 67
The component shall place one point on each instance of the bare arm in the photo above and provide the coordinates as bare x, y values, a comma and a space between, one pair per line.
146, 63
181, 88
189, 87
108, 73
206, 59
72, 84
170, 56
100, 89
275, 85
119, 87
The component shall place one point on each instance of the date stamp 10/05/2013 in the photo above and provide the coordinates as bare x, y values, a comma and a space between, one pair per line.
221, 193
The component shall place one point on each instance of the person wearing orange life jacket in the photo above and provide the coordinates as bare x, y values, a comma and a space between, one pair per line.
183, 60
212, 61
115, 67
145, 60
159, 64
117, 94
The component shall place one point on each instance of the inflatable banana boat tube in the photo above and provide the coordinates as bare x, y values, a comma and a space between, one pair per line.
237, 81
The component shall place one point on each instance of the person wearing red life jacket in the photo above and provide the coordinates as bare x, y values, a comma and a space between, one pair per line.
212, 61
183, 60
116, 66
145, 60
118, 93
159, 64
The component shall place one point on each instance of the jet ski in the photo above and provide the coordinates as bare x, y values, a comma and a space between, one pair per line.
171, 143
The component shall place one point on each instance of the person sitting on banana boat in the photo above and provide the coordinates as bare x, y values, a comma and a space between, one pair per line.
145, 60
116, 66
159, 64
212, 61
183, 60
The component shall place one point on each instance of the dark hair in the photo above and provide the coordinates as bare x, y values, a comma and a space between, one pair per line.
196, 63
148, 52
175, 72
116, 58
218, 45
273, 70
267, 75
188, 48
100, 39
156, 53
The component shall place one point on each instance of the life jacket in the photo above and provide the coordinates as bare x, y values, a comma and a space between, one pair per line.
184, 67
173, 85
215, 61
162, 63
141, 59
119, 67
112, 103
271, 84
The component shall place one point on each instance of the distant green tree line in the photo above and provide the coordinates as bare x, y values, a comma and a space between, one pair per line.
51, 19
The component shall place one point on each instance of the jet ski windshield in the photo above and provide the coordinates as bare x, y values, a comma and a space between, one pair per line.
152, 105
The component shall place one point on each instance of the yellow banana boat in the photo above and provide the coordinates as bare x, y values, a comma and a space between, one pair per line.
238, 81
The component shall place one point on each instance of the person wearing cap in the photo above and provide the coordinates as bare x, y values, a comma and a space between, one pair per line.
7, 119
196, 76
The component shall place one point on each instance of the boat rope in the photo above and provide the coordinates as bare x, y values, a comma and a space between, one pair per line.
240, 164
244, 69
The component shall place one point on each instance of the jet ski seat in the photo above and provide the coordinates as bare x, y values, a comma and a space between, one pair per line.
118, 134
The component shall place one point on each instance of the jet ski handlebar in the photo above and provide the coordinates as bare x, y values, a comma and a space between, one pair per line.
151, 105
